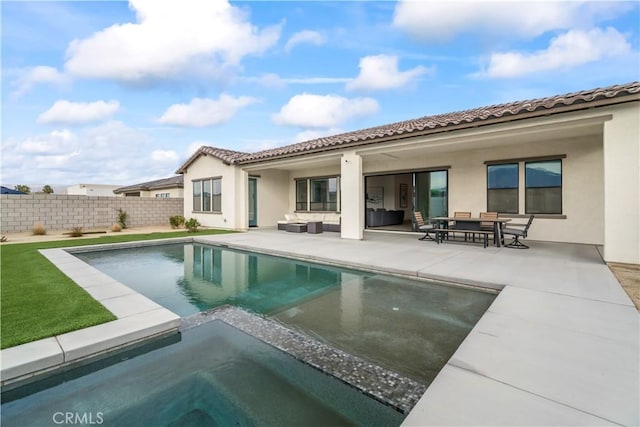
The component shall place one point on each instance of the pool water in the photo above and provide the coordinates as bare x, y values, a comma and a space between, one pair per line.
408, 326
214, 376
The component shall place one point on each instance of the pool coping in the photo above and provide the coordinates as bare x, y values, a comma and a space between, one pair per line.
485, 373
138, 319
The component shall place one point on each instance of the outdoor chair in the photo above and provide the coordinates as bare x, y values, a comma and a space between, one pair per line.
489, 226
423, 226
517, 233
461, 215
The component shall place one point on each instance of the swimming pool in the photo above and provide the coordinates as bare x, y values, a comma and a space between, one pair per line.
411, 327
215, 375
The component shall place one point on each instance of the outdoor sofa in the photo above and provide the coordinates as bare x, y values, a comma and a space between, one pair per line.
330, 220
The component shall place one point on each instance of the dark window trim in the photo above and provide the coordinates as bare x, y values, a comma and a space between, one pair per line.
308, 181
201, 180
517, 188
206, 178
544, 216
561, 186
526, 159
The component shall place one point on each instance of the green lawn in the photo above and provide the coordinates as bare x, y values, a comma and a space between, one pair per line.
38, 301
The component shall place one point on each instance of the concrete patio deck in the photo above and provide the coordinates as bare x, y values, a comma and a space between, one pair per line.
559, 345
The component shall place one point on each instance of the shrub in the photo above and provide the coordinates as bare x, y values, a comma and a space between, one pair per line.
3, 239
176, 221
76, 232
39, 230
116, 228
192, 225
122, 218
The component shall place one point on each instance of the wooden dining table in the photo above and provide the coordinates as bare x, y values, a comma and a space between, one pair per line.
472, 224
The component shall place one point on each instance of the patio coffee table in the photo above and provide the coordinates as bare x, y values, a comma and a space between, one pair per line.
297, 227
314, 227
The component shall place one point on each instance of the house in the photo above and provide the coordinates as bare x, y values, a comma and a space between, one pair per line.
573, 160
160, 188
6, 190
91, 190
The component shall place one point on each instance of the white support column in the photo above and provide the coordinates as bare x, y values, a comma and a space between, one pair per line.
621, 141
241, 217
352, 196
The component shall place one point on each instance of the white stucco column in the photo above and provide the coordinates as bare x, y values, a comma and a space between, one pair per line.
621, 142
241, 214
352, 196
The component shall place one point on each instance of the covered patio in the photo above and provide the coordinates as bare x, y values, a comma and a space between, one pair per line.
559, 345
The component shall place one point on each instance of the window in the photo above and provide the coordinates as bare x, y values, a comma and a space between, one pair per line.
197, 196
163, 195
207, 195
543, 187
502, 188
318, 194
301, 195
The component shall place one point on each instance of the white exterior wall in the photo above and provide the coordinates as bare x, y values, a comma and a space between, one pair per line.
173, 192
622, 185
209, 167
582, 175
273, 197
92, 190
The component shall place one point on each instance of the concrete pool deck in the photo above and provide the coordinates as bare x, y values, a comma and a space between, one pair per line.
559, 345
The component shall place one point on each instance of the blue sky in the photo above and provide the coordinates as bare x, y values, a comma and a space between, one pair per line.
120, 93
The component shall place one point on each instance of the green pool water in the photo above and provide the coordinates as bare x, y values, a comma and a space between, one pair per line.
409, 326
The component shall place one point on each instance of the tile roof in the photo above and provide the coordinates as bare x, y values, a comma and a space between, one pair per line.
437, 123
173, 182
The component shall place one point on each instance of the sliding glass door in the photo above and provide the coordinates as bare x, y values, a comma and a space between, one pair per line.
431, 193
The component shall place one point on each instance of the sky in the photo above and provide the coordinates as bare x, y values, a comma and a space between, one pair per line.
115, 92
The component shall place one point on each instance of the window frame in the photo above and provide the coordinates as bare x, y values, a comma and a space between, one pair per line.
516, 188
305, 182
527, 209
213, 200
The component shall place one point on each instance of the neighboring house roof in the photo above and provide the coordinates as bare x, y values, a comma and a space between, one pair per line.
5, 190
173, 182
437, 123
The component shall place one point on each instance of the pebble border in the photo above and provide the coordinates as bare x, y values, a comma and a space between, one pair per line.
384, 385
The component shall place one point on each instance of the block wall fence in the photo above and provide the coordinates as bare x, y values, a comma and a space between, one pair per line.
63, 212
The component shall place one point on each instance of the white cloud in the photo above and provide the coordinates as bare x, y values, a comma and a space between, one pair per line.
164, 156
202, 112
39, 75
565, 51
111, 153
439, 20
170, 39
381, 72
323, 111
306, 36
67, 112
52, 143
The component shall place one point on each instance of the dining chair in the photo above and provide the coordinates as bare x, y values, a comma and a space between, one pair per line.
461, 214
489, 225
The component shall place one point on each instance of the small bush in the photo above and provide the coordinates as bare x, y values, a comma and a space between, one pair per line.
192, 225
39, 230
116, 228
76, 232
122, 218
3, 239
176, 221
